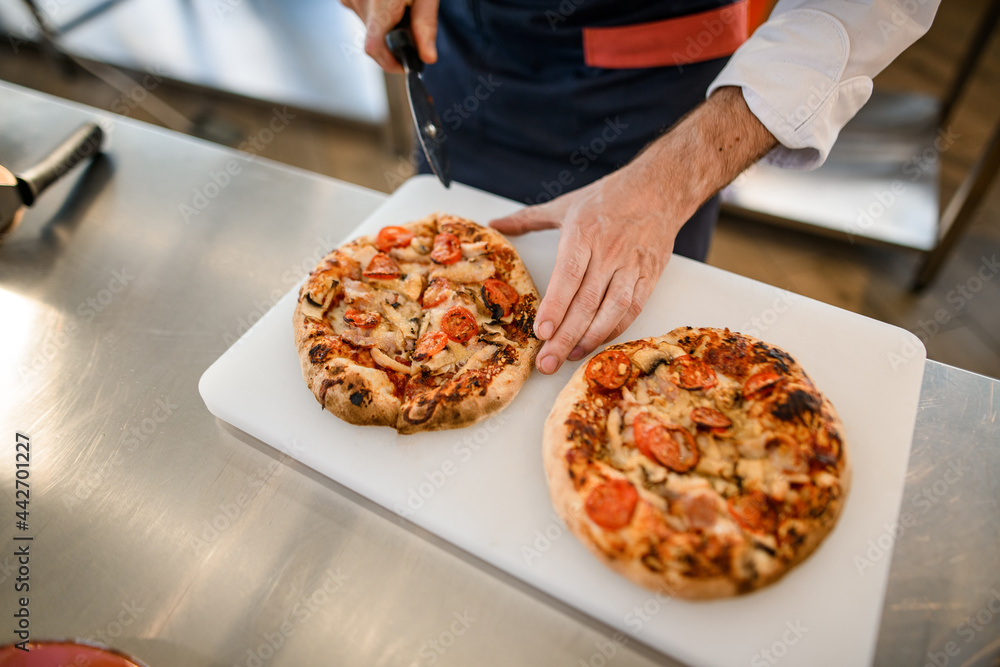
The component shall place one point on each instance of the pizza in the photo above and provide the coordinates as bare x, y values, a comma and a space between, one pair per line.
424, 326
702, 464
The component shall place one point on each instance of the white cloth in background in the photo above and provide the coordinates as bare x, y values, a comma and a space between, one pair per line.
809, 68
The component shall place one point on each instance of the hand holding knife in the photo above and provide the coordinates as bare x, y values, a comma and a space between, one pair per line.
430, 131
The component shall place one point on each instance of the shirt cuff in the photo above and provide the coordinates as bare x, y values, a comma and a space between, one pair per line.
791, 73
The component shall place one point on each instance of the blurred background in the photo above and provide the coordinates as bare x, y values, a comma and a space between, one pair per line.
223, 70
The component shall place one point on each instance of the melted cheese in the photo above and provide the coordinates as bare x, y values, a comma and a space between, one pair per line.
465, 271
363, 254
403, 320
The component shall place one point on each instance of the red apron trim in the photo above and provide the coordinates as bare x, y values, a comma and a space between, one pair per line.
678, 41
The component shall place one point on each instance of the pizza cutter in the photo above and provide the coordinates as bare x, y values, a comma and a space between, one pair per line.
17, 193
430, 130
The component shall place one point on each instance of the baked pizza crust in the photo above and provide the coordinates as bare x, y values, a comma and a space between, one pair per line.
355, 393
346, 380
620, 549
463, 402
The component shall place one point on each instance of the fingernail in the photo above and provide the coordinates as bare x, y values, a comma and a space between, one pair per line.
544, 330
548, 364
577, 353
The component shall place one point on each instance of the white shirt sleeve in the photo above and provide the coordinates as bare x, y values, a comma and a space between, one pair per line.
809, 68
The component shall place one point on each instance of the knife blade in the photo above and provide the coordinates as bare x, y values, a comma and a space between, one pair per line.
20, 192
430, 131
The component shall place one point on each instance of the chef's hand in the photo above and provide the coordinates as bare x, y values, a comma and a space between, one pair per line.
614, 243
616, 234
381, 16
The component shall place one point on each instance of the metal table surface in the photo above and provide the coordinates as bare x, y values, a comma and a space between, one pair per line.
164, 532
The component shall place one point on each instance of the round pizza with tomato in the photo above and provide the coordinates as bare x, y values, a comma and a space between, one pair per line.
701, 464
421, 327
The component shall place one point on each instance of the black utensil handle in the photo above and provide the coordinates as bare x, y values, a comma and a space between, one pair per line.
402, 46
84, 143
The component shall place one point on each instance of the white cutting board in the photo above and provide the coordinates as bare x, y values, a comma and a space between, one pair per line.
483, 489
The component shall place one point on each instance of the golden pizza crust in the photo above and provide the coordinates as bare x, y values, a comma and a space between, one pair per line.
626, 550
336, 380
348, 382
449, 413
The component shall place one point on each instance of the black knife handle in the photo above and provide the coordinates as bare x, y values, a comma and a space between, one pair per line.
402, 46
84, 143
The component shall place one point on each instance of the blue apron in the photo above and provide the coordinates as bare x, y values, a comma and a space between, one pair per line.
526, 117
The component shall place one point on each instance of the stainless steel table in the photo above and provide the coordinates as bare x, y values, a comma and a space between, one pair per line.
164, 532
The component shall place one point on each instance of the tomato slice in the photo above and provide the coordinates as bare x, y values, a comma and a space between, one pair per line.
429, 344
612, 504
754, 512
447, 249
459, 324
760, 385
383, 267
438, 289
711, 418
499, 297
393, 237
362, 319
669, 444
689, 373
610, 369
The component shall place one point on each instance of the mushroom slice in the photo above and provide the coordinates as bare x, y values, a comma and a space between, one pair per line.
494, 334
648, 358
473, 250
384, 360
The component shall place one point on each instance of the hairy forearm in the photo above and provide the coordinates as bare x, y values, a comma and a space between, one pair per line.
703, 153
617, 233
